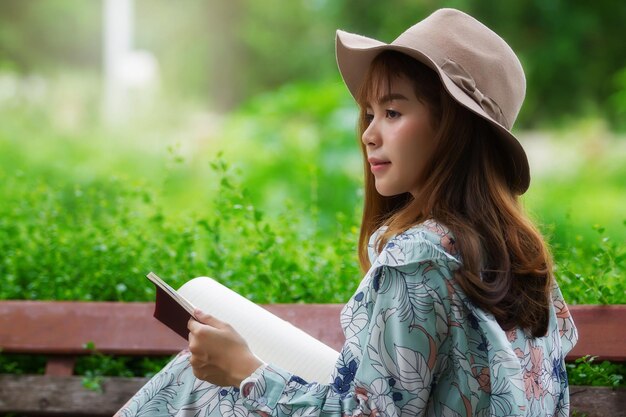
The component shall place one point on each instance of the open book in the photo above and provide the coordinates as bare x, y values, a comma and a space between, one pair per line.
271, 338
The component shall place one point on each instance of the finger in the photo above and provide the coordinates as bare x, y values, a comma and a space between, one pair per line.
193, 325
205, 318
190, 323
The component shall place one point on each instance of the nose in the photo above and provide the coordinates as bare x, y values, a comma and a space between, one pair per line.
371, 135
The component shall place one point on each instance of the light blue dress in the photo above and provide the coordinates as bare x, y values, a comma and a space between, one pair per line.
415, 346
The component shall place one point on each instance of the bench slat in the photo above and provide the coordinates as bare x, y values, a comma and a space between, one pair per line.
597, 401
63, 328
66, 396
600, 332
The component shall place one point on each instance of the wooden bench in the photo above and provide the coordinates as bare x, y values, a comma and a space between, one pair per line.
60, 330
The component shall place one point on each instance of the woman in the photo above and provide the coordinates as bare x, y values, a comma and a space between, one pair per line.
458, 313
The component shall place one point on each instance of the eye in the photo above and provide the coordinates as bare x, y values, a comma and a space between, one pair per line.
368, 118
392, 114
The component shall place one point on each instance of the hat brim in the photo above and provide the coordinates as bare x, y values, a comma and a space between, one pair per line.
354, 55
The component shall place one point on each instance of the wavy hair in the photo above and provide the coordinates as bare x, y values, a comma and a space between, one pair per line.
466, 186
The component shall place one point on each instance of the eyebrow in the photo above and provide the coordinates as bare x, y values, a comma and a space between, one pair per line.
390, 97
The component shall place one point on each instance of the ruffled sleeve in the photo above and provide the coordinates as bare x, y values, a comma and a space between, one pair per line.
399, 321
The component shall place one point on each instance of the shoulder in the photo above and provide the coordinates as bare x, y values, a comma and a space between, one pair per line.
411, 279
427, 242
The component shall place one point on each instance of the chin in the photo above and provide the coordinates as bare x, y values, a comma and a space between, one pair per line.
389, 193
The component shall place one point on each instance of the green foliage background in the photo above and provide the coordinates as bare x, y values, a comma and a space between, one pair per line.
270, 205
245, 167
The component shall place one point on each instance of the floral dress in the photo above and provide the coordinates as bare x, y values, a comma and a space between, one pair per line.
415, 346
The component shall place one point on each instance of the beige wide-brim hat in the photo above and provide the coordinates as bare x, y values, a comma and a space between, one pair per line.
476, 66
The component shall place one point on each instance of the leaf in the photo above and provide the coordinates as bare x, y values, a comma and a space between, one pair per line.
413, 370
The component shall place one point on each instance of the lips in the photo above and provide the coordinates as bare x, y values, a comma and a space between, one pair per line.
376, 162
378, 165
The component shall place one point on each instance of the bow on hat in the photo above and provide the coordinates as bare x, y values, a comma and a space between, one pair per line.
464, 81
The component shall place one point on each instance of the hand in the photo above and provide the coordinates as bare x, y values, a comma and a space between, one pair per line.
219, 354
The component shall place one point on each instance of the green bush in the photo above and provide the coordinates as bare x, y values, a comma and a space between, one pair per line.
96, 242
585, 371
86, 213
594, 274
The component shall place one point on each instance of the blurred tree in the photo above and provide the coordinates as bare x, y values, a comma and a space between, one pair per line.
179, 36
40, 34
227, 51
571, 51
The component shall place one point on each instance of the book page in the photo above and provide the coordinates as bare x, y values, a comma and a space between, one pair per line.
271, 338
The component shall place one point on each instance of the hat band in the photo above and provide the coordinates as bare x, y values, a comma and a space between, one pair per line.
465, 82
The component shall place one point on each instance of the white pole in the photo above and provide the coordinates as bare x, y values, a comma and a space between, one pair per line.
118, 32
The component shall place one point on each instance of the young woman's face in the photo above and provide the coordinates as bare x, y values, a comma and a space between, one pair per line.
399, 139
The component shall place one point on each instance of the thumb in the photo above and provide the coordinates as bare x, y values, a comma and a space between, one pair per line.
206, 318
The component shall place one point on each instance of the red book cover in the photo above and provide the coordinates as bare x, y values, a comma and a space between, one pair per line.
171, 308
169, 312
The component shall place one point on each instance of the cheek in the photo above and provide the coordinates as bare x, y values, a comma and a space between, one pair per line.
419, 147
417, 141
425, 141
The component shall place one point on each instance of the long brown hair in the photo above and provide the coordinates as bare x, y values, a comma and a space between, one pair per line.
466, 186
